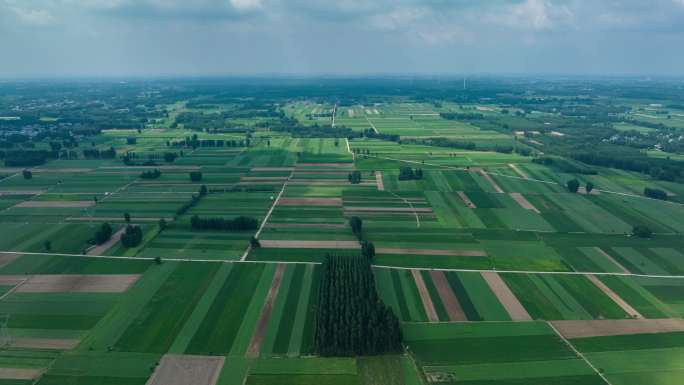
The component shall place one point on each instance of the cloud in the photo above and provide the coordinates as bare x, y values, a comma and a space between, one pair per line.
36, 17
246, 5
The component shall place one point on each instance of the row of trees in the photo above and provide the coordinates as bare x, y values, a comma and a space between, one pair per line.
367, 247
132, 237
240, 223
351, 318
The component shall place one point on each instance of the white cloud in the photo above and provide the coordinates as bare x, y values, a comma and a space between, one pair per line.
246, 5
398, 19
33, 16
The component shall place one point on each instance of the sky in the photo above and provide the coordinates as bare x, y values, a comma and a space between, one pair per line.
44, 38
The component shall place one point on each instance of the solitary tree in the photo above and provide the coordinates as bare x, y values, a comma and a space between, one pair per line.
127, 217
642, 231
254, 242
573, 185
203, 190
27, 174
590, 186
162, 224
195, 176
103, 233
48, 245
356, 225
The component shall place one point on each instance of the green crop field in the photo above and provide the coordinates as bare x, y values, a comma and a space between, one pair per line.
193, 223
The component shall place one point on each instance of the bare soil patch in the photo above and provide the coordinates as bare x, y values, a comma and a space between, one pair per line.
466, 200
451, 304
105, 219
616, 298
175, 369
305, 225
327, 182
491, 181
599, 328
21, 192
390, 209
452, 253
62, 170
73, 283
20, 373
7, 258
271, 169
55, 204
379, 182
324, 165
44, 343
281, 244
523, 202
509, 301
310, 201
260, 330
425, 296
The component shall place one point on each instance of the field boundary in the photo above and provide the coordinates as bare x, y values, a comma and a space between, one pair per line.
578, 353
151, 259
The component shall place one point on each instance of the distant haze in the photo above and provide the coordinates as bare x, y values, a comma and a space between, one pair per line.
43, 38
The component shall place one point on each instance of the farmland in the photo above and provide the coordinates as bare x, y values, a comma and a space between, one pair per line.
182, 237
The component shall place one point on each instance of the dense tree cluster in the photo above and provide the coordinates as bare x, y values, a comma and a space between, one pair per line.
132, 236
407, 173
195, 176
461, 116
27, 158
103, 233
351, 318
655, 193
240, 223
642, 231
94, 153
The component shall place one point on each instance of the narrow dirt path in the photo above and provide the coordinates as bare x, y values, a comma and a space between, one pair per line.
425, 296
101, 249
509, 301
615, 297
262, 324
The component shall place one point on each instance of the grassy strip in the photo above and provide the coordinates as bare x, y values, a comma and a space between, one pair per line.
284, 331
297, 331
280, 310
434, 295
220, 326
307, 346
190, 328
157, 325
112, 326
598, 304
251, 315
463, 297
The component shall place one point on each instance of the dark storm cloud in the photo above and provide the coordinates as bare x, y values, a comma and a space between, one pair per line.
144, 37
